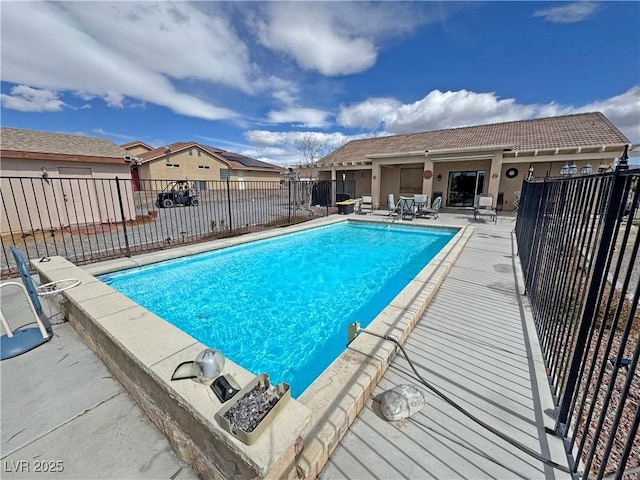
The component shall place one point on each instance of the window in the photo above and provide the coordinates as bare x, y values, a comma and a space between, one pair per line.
463, 186
191, 152
173, 165
206, 167
410, 180
198, 150
224, 174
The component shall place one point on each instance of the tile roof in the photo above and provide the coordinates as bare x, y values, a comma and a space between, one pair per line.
585, 129
17, 139
234, 161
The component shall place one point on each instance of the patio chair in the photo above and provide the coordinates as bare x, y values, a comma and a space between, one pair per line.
433, 211
392, 206
484, 207
366, 205
21, 340
420, 203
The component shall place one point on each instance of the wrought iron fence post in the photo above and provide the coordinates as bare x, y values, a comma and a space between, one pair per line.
589, 313
327, 195
229, 204
124, 222
289, 201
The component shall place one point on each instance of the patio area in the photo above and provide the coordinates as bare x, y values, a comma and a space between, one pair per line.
475, 342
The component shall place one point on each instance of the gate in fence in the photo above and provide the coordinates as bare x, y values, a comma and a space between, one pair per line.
578, 244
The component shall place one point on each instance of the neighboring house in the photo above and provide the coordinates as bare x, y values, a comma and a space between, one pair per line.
459, 163
73, 173
136, 148
199, 163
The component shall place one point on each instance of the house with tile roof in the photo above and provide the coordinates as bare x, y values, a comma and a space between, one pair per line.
55, 168
199, 163
136, 148
459, 163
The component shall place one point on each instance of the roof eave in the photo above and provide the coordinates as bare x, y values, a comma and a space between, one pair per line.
24, 155
482, 148
412, 153
534, 152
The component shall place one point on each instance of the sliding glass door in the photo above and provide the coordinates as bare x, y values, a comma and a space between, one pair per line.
463, 187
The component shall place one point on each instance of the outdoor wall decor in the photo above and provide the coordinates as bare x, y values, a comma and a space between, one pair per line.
427, 174
511, 173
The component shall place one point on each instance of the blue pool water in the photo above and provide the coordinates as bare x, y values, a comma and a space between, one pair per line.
282, 306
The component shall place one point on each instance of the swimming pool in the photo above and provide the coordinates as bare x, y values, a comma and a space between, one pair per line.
282, 305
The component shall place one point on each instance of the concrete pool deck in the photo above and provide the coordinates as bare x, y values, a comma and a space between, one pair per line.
46, 444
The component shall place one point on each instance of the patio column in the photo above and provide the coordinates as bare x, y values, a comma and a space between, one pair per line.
333, 186
375, 184
494, 175
427, 184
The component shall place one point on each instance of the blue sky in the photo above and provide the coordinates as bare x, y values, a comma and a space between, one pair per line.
254, 77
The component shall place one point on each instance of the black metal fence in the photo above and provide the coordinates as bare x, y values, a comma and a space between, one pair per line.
87, 220
578, 244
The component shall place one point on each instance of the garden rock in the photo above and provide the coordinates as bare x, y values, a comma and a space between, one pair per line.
401, 402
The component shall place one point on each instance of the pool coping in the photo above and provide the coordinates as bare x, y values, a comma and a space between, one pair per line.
184, 411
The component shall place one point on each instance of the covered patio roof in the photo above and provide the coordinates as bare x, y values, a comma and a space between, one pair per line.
585, 134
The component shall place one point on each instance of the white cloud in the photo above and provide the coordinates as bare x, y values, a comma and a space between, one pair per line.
114, 99
123, 138
118, 50
367, 114
332, 38
284, 91
441, 110
436, 111
270, 152
304, 117
27, 99
568, 13
267, 138
623, 111
279, 148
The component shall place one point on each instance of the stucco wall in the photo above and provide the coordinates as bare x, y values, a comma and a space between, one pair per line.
136, 150
189, 167
444, 168
389, 183
508, 186
363, 182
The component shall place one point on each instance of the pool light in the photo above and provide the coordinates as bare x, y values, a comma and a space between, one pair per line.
208, 365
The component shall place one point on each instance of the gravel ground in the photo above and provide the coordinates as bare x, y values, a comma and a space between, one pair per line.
596, 400
607, 403
626, 260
